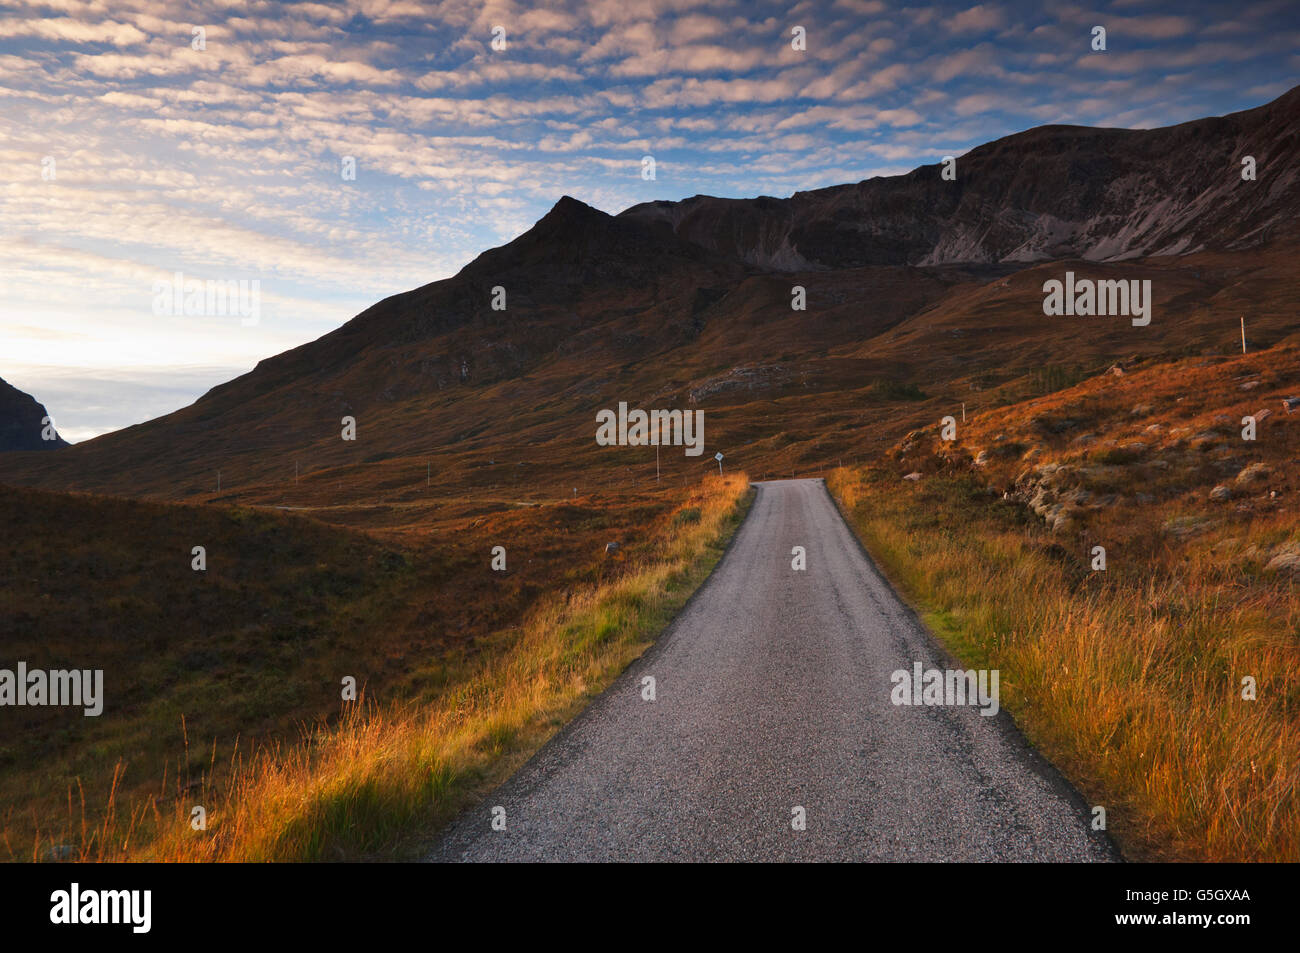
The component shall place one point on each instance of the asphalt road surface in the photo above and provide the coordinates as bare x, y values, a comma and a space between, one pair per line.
773, 692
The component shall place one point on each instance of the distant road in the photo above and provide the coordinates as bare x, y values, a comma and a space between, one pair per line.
773, 692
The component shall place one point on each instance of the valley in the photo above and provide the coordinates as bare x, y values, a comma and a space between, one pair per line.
372, 557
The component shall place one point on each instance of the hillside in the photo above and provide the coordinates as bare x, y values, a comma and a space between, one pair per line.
1159, 438
920, 294
475, 427
1053, 192
21, 422
1129, 561
205, 671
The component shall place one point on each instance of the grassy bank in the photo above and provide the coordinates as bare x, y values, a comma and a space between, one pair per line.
379, 780
1130, 680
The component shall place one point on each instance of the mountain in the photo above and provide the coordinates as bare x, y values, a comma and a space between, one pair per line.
1048, 193
922, 295
21, 423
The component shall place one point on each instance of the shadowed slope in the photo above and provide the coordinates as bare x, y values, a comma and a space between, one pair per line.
1049, 192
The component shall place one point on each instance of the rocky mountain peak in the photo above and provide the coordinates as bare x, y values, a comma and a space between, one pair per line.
20, 421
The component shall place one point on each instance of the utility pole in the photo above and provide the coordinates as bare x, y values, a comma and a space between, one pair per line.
963, 411
1243, 334
656, 463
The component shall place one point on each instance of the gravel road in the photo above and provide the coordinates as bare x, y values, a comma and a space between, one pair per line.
772, 692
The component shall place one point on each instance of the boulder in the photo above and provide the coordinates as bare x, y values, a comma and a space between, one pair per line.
1221, 494
1254, 474
1287, 560
1066, 520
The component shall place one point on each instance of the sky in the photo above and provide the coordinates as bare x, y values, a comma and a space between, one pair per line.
337, 153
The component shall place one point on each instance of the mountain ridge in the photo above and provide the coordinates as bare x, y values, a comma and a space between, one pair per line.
1020, 216
653, 304
21, 422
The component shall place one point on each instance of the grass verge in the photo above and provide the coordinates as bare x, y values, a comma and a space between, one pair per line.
1130, 681
378, 782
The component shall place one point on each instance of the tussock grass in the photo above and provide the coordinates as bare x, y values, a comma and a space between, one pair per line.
379, 780
1129, 680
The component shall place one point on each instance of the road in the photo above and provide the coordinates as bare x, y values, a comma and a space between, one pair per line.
773, 692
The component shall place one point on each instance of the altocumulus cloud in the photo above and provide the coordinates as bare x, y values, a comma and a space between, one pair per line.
227, 162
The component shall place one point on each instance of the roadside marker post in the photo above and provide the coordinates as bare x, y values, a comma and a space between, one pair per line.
718, 456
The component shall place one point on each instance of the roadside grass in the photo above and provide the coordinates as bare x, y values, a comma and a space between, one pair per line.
247, 647
1129, 680
379, 781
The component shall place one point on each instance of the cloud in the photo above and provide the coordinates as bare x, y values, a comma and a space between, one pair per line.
74, 31
978, 19
228, 161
